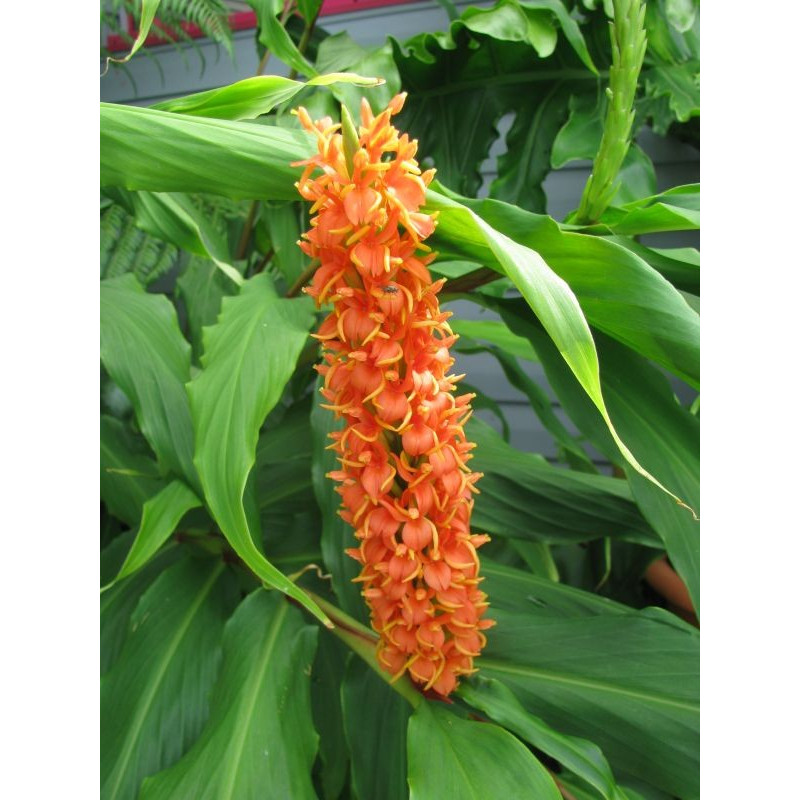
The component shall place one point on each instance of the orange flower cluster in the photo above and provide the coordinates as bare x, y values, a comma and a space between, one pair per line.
404, 480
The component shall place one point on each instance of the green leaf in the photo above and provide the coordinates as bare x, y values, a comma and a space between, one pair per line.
679, 83
507, 20
327, 676
283, 223
128, 473
524, 166
250, 355
538, 557
581, 756
618, 292
144, 352
681, 13
497, 333
653, 422
548, 295
452, 757
259, 740
309, 8
239, 159
677, 209
118, 603
541, 405
154, 700
679, 265
375, 722
273, 36
336, 533
173, 218
465, 81
160, 516
580, 136
628, 682
149, 8
254, 96
568, 25
339, 53
201, 287
524, 497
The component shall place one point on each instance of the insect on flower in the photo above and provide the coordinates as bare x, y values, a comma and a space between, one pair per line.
405, 483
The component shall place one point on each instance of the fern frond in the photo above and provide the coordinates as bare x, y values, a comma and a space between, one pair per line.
125, 248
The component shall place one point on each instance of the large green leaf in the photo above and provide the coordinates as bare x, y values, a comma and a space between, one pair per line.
590, 667
141, 148
628, 682
160, 515
250, 355
128, 473
548, 295
618, 292
144, 352
452, 757
375, 723
118, 603
581, 756
154, 700
259, 741
254, 96
336, 533
657, 427
524, 497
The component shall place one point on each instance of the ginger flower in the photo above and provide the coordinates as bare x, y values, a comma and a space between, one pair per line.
404, 480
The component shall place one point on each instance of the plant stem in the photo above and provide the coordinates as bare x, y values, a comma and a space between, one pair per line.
305, 38
362, 641
244, 239
241, 248
305, 276
628, 45
472, 280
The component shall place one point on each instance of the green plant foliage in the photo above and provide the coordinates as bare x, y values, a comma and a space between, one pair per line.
160, 516
223, 554
523, 496
452, 757
155, 698
378, 763
579, 755
249, 356
128, 472
656, 426
124, 248
144, 352
246, 749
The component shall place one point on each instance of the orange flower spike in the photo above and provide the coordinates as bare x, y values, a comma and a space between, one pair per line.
405, 485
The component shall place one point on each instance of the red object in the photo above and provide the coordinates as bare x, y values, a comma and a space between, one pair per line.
241, 21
